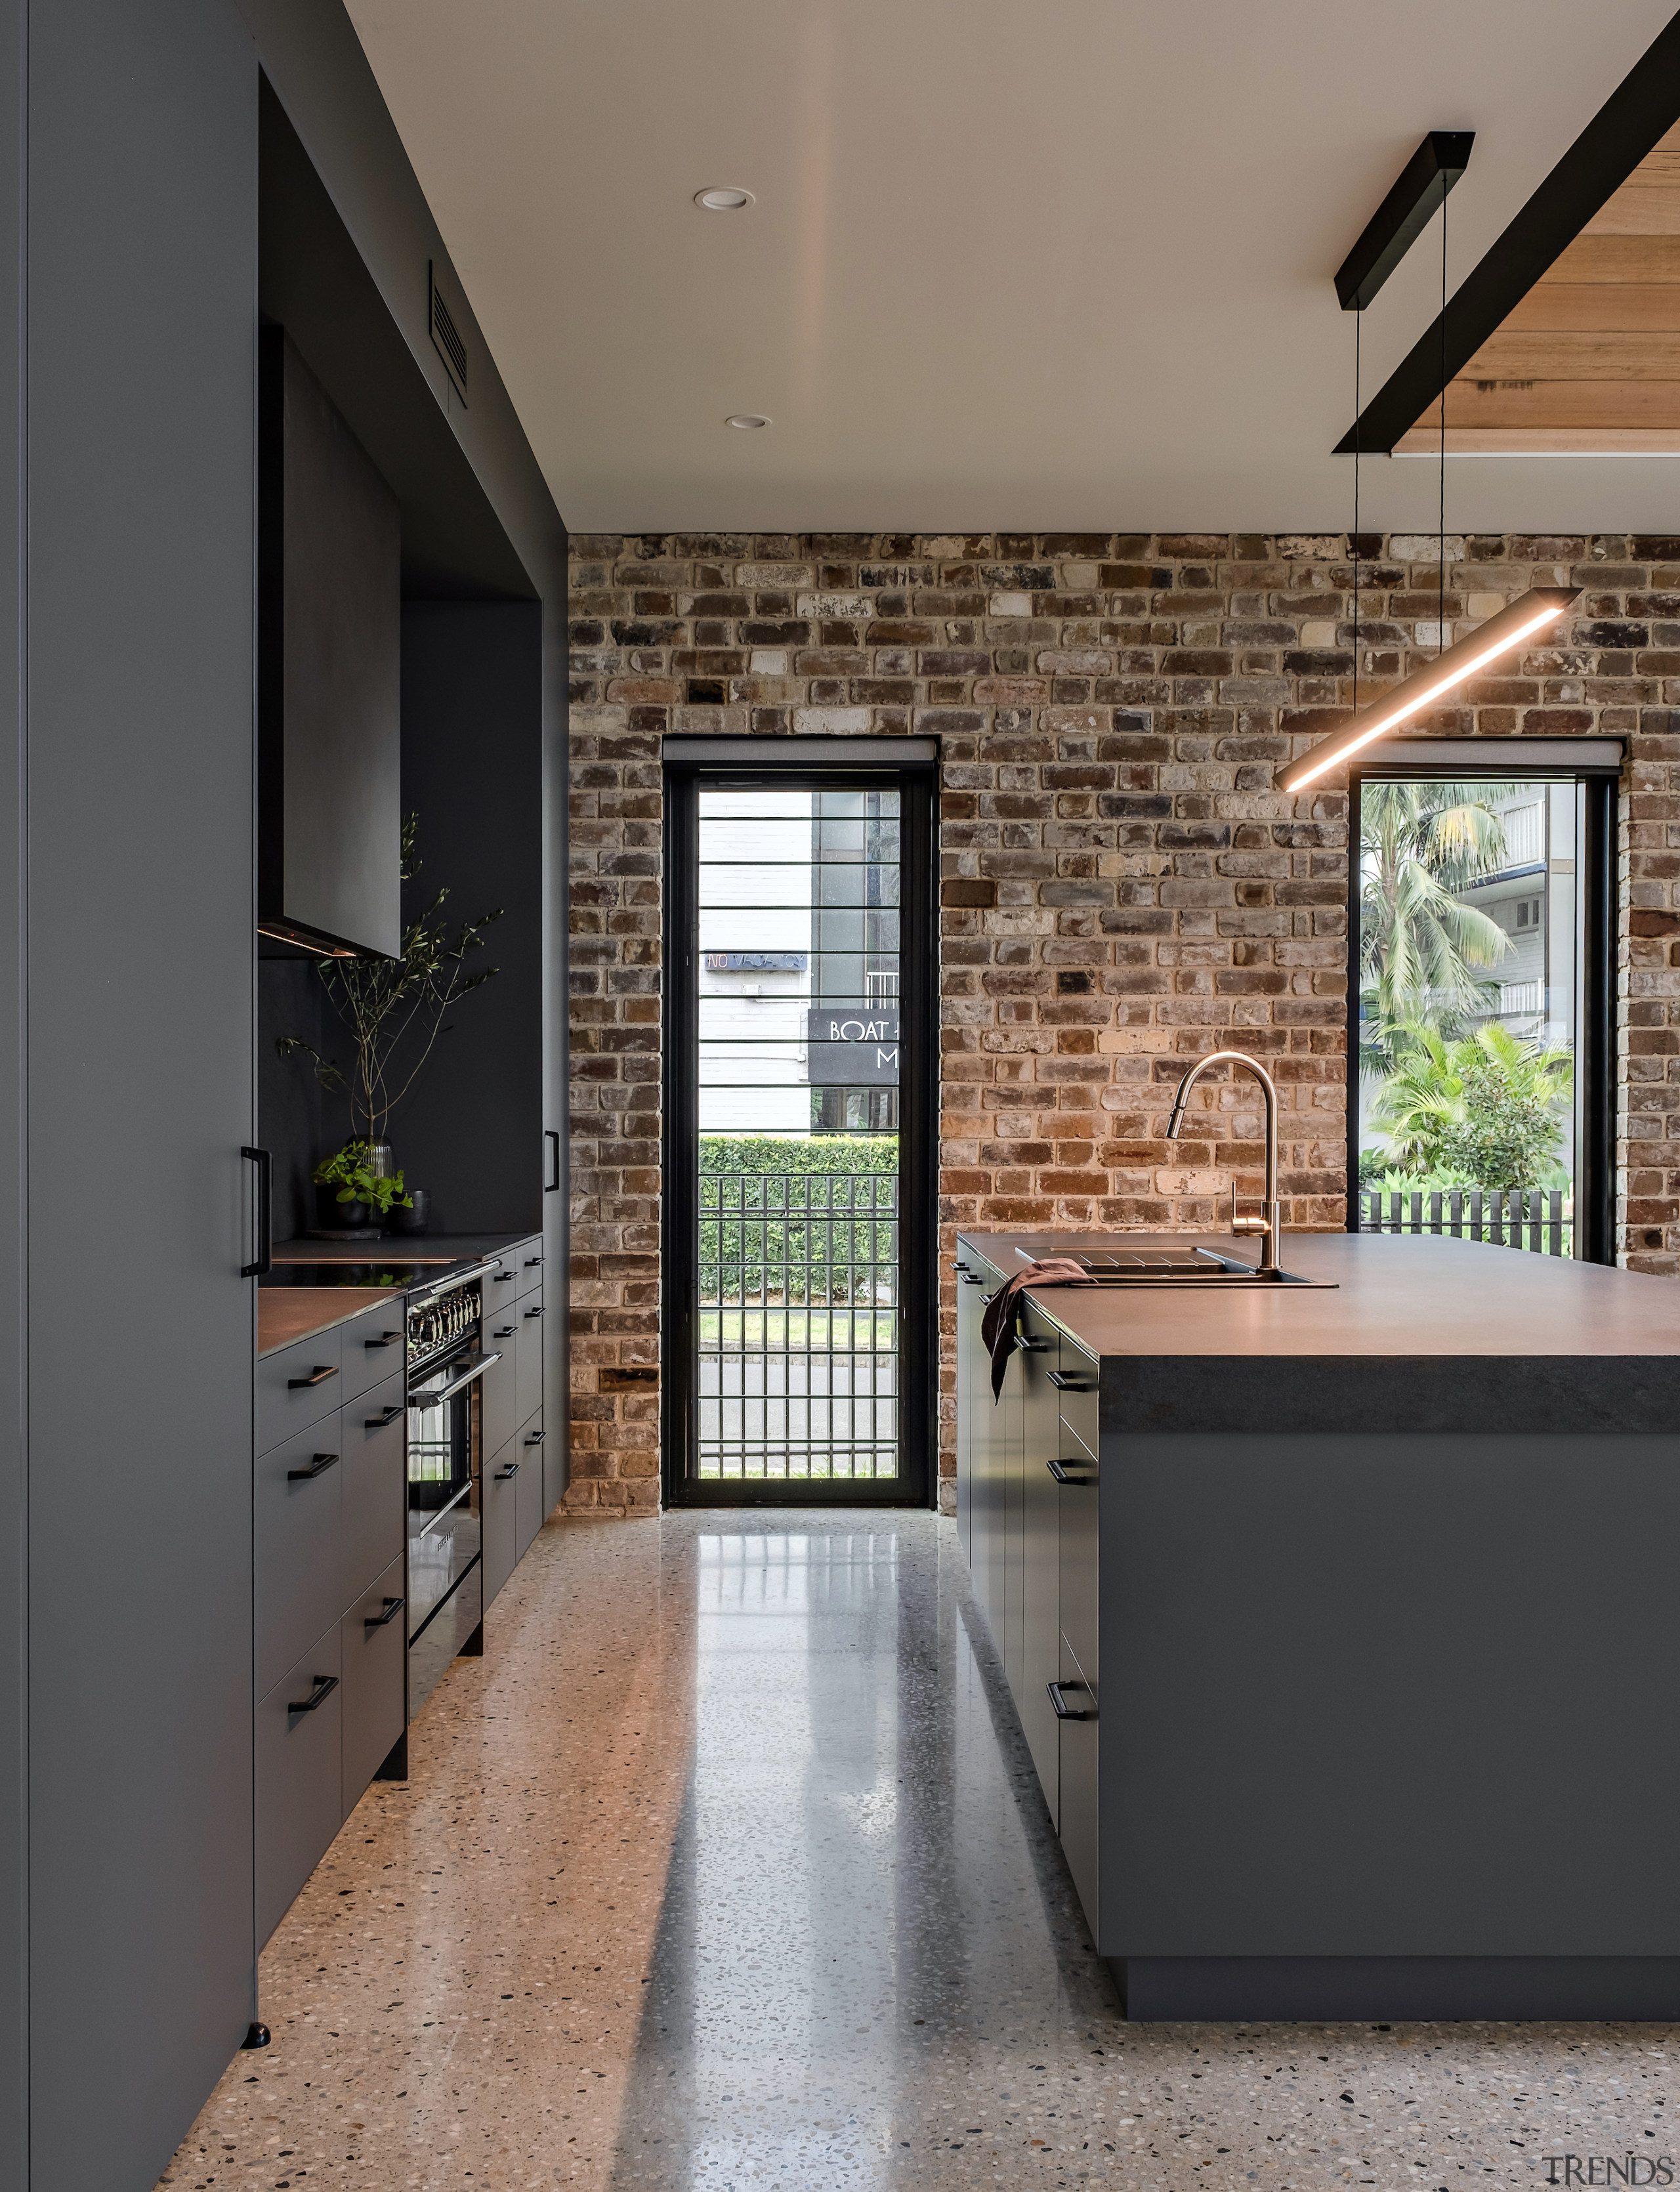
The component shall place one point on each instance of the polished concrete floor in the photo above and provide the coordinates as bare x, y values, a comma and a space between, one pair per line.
724, 1871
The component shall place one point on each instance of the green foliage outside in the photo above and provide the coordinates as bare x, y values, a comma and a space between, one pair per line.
802, 1221
1423, 956
1487, 1109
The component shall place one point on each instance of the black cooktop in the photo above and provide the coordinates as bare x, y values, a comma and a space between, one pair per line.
396, 1276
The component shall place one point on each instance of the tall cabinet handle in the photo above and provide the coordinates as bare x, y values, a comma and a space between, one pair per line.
552, 1186
1060, 1707
264, 1161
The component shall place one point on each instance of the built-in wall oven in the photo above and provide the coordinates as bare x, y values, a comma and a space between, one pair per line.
446, 1361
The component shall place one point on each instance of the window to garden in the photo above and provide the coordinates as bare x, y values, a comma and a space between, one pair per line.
1479, 1052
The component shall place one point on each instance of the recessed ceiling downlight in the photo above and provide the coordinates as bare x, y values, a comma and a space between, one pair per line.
746, 420
727, 198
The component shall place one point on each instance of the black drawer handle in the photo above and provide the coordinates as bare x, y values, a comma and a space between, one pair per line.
506, 1331
319, 1464
393, 1607
502, 1278
531, 1262
536, 1438
322, 1372
384, 1340
324, 1687
1062, 1476
389, 1416
502, 1475
1060, 1706
969, 1279
533, 1312
1064, 1384
1032, 1346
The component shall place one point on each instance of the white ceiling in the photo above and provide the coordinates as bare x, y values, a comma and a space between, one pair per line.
1058, 265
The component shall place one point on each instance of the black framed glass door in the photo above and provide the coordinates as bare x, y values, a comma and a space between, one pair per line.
799, 1324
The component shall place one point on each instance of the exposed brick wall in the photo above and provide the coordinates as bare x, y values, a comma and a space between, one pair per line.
1122, 888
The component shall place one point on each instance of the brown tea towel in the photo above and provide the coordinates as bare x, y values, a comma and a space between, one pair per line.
997, 1326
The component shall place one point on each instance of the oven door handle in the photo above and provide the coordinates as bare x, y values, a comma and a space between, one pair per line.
424, 1397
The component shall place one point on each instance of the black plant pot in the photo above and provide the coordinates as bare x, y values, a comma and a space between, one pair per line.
333, 1216
411, 1221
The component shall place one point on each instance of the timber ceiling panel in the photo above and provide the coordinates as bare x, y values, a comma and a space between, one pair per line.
1589, 359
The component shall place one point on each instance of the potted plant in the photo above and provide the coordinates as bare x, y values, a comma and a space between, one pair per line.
350, 1197
395, 1011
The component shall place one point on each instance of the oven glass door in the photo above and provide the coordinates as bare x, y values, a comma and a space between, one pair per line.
444, 1535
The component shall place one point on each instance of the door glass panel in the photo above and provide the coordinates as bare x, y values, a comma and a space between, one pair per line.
797, 975
1469, 1009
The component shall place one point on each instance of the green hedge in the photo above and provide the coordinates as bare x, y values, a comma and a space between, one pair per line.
808, 1221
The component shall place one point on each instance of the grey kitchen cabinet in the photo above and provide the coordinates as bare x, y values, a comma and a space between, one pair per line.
299, 1510
1076, 1528
1077, 1812
372, 1351
298, 1385
500, 1381
529, 1369
500, 1288
299, 1775
373, 1647
969, 1287
373, 1493
1040, 1555
529, 1505
498, 1499
530, 1259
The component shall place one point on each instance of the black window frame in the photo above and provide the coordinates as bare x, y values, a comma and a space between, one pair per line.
1595, 1168
917, 783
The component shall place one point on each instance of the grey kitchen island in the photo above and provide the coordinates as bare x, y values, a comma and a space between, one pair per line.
1341, 1624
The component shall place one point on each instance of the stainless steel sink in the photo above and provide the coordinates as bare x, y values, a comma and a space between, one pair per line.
1174, 1267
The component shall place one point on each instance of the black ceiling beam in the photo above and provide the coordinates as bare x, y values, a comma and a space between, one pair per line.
1632, 122
1403, 216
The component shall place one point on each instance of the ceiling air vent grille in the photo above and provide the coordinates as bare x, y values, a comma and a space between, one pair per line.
446, 335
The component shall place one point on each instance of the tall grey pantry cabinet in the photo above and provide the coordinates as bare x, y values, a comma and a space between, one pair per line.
128, 313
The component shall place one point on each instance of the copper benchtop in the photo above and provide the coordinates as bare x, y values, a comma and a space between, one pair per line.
305, 1312
1415, 1329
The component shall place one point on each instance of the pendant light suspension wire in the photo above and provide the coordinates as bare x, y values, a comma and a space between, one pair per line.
1358, 323
1440, 513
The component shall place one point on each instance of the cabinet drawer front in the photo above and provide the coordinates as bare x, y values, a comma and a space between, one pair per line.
1077, 1404
298, 1386
300, 1518
499, 1508
500, 1381
1077, 1571
500, 1288
529, 1257
374, 1492
1076, 1765
531, 1316
298, 1778
373, 1349
374, 1650
529, 1507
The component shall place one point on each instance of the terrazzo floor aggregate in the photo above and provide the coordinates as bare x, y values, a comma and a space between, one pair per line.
725, 1870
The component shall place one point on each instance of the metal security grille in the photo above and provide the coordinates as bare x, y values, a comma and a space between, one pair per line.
799, 1326
798, 1302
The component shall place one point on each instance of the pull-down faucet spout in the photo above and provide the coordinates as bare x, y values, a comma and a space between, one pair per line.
1270, 1224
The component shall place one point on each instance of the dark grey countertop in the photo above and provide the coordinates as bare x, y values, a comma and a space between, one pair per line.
1417, 1334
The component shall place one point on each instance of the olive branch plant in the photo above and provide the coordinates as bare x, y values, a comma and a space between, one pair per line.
387, 1004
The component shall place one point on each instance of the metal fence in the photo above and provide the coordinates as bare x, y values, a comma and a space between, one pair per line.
799, 1326
1539, 1219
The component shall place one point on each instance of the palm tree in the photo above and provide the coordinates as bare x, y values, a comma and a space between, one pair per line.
1420, 947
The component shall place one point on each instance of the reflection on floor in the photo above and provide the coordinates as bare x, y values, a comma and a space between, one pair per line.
724, 1869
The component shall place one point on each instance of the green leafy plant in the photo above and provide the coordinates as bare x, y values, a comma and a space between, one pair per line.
348, 1170
395, 1008
1487, 1109
1421, 951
